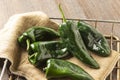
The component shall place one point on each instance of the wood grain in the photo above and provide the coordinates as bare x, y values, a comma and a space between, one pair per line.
90, 9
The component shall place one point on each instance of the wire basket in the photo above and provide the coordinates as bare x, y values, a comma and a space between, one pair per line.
112, 39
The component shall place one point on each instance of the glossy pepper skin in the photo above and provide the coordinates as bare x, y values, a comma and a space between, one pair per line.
71, 37
37, 34
41, 51
94, 40
57, 68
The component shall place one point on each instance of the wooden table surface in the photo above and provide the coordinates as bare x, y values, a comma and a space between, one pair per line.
87, 9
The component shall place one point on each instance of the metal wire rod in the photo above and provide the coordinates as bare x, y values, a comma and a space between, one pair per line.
92, 20
3, 69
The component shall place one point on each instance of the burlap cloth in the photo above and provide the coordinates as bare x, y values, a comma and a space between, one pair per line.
20, 65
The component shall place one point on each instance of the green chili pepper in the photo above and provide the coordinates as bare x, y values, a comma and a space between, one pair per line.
72, 38
57, 68
94, 40
41, 51
37, 34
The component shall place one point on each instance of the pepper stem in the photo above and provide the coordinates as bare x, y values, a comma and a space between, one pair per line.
28, 44
63, 16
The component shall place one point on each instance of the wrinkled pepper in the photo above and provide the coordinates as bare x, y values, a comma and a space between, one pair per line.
93, 40
37, 34
41, 51
71, 37
57, 68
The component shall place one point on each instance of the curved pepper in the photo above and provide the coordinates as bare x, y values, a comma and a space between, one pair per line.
71, 37
94, 40
60, 68
41, 51
37, 34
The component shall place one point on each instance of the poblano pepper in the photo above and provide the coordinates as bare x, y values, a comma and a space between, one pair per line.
57, 68
71, 37
37, 34
41, 51
93, 40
